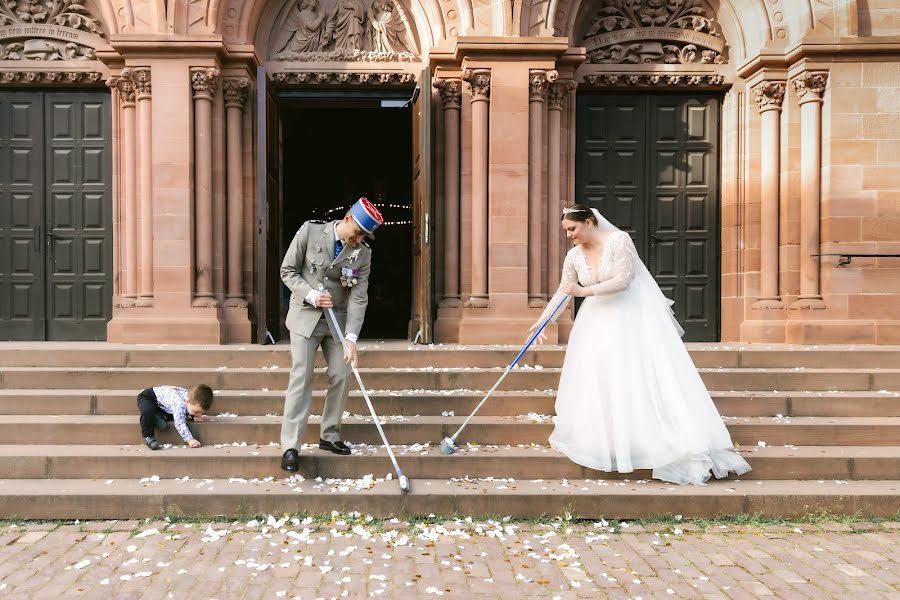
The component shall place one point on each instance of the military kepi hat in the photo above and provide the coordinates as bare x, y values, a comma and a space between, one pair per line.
366, 216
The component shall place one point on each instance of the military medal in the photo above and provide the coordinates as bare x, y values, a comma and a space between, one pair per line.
349, 277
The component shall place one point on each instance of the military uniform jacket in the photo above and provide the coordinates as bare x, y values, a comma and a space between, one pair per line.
310, 261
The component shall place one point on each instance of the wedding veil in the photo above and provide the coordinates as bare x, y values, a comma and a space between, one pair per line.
643, 287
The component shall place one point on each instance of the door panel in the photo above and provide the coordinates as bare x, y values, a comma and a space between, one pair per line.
420, 325
21, 216
55, 215
78, 216
649, 163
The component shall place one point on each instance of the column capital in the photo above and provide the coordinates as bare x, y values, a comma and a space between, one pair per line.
559, 91
124, 84
479, 81
810, 86
204, 81
450, 91
140, 79
235, 90
769, 95
538, 81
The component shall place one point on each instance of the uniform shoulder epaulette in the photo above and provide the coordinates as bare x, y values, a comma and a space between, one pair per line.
366, 244
316, 221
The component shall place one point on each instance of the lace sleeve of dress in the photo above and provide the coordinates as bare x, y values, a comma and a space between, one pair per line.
569, 276
621, 268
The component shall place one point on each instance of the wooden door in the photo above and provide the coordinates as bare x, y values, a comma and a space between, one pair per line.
649, 163
420, 325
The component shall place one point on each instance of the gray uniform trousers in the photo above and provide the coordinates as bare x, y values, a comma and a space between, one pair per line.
298, 398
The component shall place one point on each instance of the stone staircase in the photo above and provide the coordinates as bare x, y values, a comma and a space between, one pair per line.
819, 425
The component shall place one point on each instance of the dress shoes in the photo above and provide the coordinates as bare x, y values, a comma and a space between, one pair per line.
290, 460
337, 447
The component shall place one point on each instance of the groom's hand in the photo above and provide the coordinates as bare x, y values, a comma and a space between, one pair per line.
350, 354
323, 300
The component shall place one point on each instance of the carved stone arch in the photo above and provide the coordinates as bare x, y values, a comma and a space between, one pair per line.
745, 24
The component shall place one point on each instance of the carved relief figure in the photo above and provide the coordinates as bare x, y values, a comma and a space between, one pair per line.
348, 24
304, 30
388, 31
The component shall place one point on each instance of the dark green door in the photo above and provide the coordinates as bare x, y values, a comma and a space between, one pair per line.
650, 164
55, 215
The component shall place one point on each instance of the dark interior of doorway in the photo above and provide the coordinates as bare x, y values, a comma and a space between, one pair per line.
335, 152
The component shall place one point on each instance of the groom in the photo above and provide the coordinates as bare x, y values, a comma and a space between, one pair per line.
334, 256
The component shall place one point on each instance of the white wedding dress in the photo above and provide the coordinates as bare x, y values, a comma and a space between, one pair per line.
629, 395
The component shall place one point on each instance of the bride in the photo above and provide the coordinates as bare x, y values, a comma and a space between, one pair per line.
629, 395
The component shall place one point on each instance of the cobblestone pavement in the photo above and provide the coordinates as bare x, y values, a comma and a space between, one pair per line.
352, 557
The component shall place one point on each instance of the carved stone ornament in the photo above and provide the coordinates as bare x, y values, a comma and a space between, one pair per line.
539, 81
204, 81
235, 90
810, 86
44, 77
654, 31
652, 80
769, 94
341, 77
559, 91
44, 30
124, 83
345, 31
479, 81
450, 91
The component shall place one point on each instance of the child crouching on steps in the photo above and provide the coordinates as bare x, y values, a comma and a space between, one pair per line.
164, 403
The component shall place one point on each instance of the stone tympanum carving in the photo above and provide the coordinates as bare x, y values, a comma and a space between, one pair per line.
345, 30
47, 30
654, 31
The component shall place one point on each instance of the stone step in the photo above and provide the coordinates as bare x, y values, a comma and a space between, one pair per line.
121, 429
529, 463
429, 378
401, 353
131, 499
461, 402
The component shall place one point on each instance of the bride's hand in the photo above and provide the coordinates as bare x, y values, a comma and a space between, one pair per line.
576, 291
541, 338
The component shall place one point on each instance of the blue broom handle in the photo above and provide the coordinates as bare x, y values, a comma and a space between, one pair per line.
538, 332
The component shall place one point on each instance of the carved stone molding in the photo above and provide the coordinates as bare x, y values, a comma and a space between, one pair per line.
44, 77
559, 91
48, 30
769, 95
810, 86
341, 77
479, 83
450, 91
204, 81
652, 80
142, 81
654, 31
345, 31
539, 81
235, 90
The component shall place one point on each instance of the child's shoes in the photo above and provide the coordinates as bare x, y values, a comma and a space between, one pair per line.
151, 443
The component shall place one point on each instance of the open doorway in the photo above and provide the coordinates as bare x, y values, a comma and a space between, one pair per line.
333, 152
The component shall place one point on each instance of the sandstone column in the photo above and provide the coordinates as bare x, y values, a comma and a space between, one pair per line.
125, 85
235, 90
558, 98
203, 81
142, 82
451, 91
769, 96
810, 87
479, 81
538, 82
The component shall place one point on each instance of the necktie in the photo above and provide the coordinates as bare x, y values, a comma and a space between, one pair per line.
338, 246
